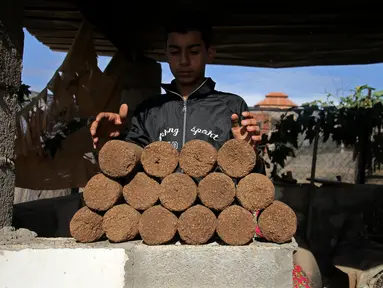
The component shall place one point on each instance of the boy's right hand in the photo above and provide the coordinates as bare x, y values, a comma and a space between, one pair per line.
108, 124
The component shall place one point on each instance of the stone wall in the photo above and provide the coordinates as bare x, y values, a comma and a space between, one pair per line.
11, 51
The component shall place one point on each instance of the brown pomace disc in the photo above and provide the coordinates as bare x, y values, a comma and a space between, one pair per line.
198, 158
159, 159
118, 158
236, 226
178, 192
121, 223
278, 222
86, 226
236, 158
102, 193
197, 225
142, 192
216, 191
157, 225
255, 192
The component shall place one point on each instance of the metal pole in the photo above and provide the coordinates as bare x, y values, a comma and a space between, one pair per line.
312, 180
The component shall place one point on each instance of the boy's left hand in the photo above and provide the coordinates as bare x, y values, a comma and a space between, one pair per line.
248, 129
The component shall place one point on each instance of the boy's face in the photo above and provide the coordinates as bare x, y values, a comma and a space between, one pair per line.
187, 56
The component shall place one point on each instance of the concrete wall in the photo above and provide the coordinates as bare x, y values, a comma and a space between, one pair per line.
11, 51
64, 263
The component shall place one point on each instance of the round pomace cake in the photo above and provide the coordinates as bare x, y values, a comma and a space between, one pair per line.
86, 225
159, 159
198, 158
216, 191
118, 158
157, 225
178, 192
278, 222
197, 225
255, 192
142, 192
236, 225
120, 223
102, 193
236, 158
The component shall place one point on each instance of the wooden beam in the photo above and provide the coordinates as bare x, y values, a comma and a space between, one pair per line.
48, 4
65, 41
62, 33
51, 23
49, 8
290, 47
55, 14
252, 37
107, 53
368, 58
261, 28
257, 19
249, 39
315, 42
281, 56
68, 46
281, 18
224, 40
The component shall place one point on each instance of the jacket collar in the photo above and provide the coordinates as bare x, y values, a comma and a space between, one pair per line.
204, 89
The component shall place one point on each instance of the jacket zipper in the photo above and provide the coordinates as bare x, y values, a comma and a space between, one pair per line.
184, 110
184, 127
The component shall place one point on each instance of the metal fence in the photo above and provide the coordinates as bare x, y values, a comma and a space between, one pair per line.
333, 162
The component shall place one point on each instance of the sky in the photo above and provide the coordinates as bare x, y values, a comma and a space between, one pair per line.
302, 84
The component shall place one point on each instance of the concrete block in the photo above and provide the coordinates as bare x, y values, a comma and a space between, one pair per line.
65, 263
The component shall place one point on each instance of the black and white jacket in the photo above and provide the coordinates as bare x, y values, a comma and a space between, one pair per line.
205, 115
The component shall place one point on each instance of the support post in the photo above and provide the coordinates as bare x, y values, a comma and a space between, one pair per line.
312, 183
11, 52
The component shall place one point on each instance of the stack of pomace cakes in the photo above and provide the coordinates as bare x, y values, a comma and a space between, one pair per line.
140, 194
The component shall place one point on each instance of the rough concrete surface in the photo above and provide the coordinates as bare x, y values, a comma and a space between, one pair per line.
212, 265
11, 44
12, 17
9, 234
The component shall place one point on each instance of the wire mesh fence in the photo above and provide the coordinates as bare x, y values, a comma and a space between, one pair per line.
333, 162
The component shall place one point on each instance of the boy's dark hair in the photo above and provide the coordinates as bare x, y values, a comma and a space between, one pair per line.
191, 22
